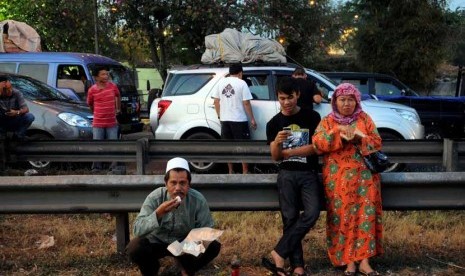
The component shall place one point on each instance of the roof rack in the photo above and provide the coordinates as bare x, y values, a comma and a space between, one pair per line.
222, 64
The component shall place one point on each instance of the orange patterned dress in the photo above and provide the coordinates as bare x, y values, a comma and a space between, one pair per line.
353, 194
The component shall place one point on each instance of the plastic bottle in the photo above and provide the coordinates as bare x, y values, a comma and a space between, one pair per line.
235, 266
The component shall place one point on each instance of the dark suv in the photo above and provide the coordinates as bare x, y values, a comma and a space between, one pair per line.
442, 117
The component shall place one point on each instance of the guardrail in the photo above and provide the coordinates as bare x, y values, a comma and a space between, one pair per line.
449, 153
123, 194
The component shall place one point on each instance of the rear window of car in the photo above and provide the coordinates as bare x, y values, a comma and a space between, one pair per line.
185, 84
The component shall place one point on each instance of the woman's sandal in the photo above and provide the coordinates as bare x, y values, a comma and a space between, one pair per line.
349, 273
373, 273
277, 271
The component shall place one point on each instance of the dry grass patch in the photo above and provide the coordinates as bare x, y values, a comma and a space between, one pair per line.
417, 243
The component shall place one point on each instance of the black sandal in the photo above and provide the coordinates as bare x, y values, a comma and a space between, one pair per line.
277, 271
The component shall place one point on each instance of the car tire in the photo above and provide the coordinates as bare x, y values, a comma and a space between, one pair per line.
40, 164
395, 167
202, 167
433, 134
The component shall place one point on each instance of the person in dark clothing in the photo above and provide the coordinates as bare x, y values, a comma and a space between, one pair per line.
168, 214
14, 113
289, 136
309, 93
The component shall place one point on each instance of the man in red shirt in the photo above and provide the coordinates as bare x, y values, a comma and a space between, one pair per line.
104, 100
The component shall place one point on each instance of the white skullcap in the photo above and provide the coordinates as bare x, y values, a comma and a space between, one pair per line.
177, 162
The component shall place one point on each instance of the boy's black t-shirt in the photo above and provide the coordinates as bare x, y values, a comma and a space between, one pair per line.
304, 119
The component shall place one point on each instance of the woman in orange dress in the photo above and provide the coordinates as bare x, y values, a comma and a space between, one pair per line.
353, 193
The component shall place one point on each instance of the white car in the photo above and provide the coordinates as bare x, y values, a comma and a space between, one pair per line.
185, 109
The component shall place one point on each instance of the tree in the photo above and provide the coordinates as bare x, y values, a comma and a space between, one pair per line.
176, 29
60, 24
404, 38
300, 25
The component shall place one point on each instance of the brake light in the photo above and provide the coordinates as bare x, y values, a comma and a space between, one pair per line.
162, 107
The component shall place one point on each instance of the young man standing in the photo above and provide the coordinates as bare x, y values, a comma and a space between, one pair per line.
168, 214
232, 103
103, 99
309, 93
289, 136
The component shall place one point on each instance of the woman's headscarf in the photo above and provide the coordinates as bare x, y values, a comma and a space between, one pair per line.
345, 89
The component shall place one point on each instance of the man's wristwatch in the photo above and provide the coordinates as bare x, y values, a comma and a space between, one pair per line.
18, 112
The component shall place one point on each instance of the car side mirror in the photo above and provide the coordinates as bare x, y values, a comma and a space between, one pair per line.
403, 92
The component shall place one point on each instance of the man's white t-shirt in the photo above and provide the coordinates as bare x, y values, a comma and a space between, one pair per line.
232, 91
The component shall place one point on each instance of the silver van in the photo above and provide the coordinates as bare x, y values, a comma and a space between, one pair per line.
71, 73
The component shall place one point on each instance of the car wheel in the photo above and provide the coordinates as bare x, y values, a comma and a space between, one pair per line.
433, 134
202, 167
395, 167
40, 164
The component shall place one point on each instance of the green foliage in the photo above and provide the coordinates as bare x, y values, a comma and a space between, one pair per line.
456, 39
300, 26
62, 27
404, 39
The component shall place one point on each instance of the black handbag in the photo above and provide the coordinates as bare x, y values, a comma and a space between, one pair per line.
376, 162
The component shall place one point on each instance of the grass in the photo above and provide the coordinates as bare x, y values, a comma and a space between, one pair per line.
416, 243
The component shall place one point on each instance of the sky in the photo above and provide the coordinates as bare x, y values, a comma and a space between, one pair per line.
453, 4
456, 3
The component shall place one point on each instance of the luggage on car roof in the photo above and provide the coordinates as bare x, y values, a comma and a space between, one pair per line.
232, 46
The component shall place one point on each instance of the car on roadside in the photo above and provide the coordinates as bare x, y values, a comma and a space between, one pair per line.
442, 117
185, 110
56, 116
71, 73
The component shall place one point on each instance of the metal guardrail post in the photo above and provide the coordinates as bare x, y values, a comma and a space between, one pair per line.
141, 154
2, 155
122, 231
450, 155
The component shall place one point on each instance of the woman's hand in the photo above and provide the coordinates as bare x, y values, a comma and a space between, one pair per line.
347, 133
359, 134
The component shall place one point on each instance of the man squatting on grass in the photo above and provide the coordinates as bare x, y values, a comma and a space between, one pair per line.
163, 219
298, 184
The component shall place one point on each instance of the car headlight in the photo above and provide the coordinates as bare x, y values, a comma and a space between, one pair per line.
409, 115
74, 120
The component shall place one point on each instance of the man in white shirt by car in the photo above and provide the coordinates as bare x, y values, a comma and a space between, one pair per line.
232, 103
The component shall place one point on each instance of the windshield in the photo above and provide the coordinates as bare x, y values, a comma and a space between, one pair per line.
35, 90
185, 84
120, 76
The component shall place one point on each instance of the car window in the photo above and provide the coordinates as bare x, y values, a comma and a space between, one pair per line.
185, 84
361, 84
323, 87
36, 71
72, 77
36, 90
386, 88
258, 85
8, 67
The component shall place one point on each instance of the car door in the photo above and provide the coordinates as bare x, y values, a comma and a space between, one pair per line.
264, 104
